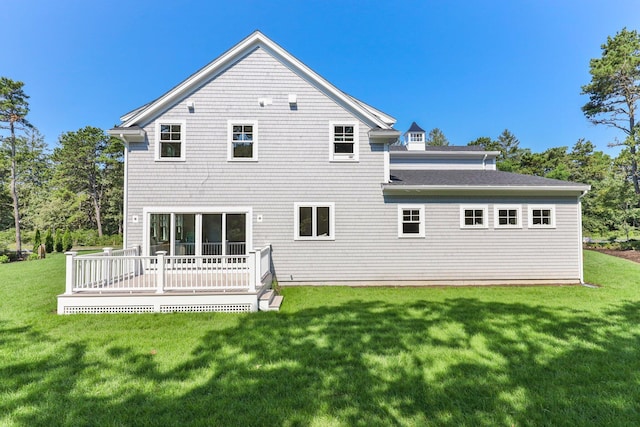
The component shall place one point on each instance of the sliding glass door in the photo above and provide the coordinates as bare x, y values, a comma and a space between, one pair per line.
215, 234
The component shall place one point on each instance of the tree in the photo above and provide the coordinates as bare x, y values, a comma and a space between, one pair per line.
48, 241
436, 138
88, 162
14, 108
37, 241
67, 241
614, 91
508, 146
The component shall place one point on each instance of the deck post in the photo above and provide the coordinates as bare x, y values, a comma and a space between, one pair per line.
71, 272
106, 266
160, 271
254, 269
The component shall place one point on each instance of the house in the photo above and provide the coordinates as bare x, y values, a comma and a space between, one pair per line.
257, 167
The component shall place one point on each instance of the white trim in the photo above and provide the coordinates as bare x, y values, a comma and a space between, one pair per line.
580, 248
254, 152
183, 140
551, 208
421, 229
387, 164
485, 216
197, 210
496, 217
314, 206
125, 199
355, 156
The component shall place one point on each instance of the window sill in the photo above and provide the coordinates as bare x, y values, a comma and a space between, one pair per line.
247, 160
314, 239
169, 159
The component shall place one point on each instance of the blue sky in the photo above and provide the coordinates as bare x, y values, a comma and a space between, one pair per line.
471, 68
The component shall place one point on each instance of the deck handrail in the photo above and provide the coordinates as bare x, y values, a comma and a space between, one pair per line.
125, 270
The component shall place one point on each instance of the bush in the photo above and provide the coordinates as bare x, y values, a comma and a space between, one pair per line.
33, 257
48, 241
37, 241
59, 246
67, 241
4, 259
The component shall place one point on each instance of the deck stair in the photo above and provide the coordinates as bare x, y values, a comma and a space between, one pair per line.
270, 301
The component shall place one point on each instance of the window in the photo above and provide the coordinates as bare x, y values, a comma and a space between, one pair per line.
507, 216
542, 217
411, 221
314, 221
170, 138
473, 216
416, 137
344, 141
243, 140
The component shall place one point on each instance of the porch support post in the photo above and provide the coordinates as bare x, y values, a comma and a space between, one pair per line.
71, 272
160, 276
254, 270
106, 265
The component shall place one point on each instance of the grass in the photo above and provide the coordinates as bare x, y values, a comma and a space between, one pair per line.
494, 356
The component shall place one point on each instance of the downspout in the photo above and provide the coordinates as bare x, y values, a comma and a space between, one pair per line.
580, 250
387, 166
484, 163
125, 215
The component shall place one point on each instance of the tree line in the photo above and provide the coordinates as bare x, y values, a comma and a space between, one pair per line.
76, 186
79, 184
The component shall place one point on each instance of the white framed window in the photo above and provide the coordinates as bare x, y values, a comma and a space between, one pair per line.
242, 140
411, 221
416, 137
314, 221
474, 216
344, 141
542, 216
170, 140
508, 216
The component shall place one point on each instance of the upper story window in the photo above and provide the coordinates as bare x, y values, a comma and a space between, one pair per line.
416, 137
243, 140
314, 221
473, 216
344, 141
411, 221
170, 140
508, 216
542, 216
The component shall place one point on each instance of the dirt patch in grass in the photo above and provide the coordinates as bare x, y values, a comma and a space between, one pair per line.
629, 254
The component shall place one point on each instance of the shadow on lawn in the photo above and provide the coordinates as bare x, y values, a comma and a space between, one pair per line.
456, 362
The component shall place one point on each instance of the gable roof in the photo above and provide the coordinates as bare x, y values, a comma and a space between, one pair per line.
146, 113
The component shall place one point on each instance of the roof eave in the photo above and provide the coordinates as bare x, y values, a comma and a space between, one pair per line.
128, 134
453, 153
575, 190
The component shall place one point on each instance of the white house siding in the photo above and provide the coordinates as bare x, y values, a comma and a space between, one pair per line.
408, 163
293, 167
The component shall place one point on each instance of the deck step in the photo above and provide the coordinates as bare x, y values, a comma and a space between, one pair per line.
269, 301
276, 303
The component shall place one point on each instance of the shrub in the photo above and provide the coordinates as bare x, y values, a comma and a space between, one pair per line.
32, 257
67, 241
37, 241
4, 259
48, 241
59, 246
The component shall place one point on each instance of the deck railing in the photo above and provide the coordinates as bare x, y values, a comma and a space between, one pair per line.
127, 271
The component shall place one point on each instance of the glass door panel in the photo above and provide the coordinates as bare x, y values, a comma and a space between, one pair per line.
185, 234
159, 233
236, 234
212, 234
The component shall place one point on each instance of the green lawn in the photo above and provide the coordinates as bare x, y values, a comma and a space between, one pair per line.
527, 356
